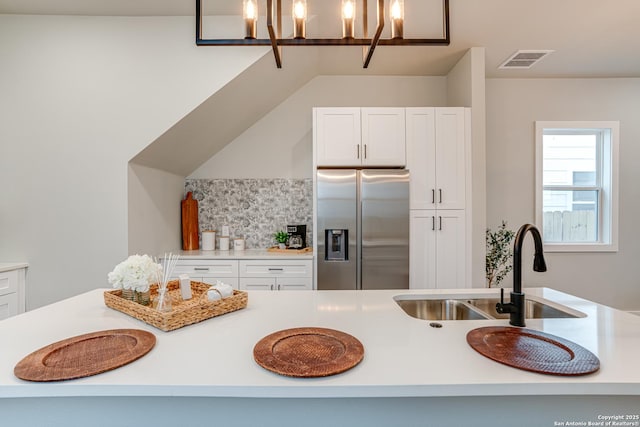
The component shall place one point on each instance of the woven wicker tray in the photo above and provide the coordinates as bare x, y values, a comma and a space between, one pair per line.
183, 313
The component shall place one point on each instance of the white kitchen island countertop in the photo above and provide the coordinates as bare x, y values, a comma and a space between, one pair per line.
404, 357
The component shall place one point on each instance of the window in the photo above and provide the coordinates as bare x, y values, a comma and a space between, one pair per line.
576, 185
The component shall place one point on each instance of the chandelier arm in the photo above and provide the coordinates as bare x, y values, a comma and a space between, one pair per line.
277, 50
368, 53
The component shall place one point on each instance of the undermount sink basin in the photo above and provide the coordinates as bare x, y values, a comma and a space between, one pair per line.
439, 309
455, 308
532, 309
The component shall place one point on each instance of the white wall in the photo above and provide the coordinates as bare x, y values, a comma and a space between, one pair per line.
279, 145
80, 96
154, 210
513, 105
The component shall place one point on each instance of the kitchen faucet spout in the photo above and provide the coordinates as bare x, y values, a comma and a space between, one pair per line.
517, 303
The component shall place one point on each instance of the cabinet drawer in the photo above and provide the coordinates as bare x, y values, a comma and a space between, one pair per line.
258, 283
8, 305
8, 282
294, 283
285, 268
209, 268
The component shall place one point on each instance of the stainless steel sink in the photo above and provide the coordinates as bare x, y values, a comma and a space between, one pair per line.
454, 308
532, 309
439, 309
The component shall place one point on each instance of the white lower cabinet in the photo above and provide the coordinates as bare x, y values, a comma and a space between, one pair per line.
12, 291
276, 275
437, 255
257, 274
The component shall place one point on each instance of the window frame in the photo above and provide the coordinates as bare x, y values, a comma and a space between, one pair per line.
607, 182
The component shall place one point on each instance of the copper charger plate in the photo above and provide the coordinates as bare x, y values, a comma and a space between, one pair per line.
308, 352
533, 351
85, 355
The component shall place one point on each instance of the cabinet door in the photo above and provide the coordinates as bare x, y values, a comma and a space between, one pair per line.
294, 283
257, 283
422, 253
383, 137
337, 133
421, 151
450, 254
8, 305
450, 158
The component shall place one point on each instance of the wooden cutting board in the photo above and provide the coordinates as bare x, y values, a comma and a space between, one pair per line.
190, 226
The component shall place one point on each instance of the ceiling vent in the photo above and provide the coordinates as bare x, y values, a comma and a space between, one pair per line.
524, 59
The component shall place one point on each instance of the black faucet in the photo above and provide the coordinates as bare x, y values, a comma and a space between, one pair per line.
516, 306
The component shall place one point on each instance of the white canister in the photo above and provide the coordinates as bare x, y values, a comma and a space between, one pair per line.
224, 243
238, 244
208, 240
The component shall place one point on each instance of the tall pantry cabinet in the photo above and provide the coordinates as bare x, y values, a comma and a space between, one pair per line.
439, 159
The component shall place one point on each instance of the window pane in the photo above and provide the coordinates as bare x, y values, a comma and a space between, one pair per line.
570, 216
569, 159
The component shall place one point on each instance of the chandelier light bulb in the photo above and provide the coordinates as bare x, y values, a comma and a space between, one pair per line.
348, 18
299, 14
250, 12
396, 13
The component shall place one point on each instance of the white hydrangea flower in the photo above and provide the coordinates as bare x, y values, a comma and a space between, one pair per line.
136, 272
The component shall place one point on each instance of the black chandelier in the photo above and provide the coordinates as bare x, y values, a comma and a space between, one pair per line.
299, 16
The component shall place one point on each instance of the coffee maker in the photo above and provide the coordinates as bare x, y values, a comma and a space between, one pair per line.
297, 236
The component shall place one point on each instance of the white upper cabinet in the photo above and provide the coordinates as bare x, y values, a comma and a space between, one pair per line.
338, 136
360, 137
436, 157
383, 137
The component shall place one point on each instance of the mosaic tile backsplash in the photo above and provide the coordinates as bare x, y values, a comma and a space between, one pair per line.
253, 208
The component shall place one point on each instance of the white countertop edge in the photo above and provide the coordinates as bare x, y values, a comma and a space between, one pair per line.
8, 266
312, 391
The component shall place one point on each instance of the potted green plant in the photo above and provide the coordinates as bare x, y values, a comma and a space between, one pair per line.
281, 237
499, 254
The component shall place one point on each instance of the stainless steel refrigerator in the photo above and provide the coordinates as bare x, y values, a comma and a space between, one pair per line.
362, 228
